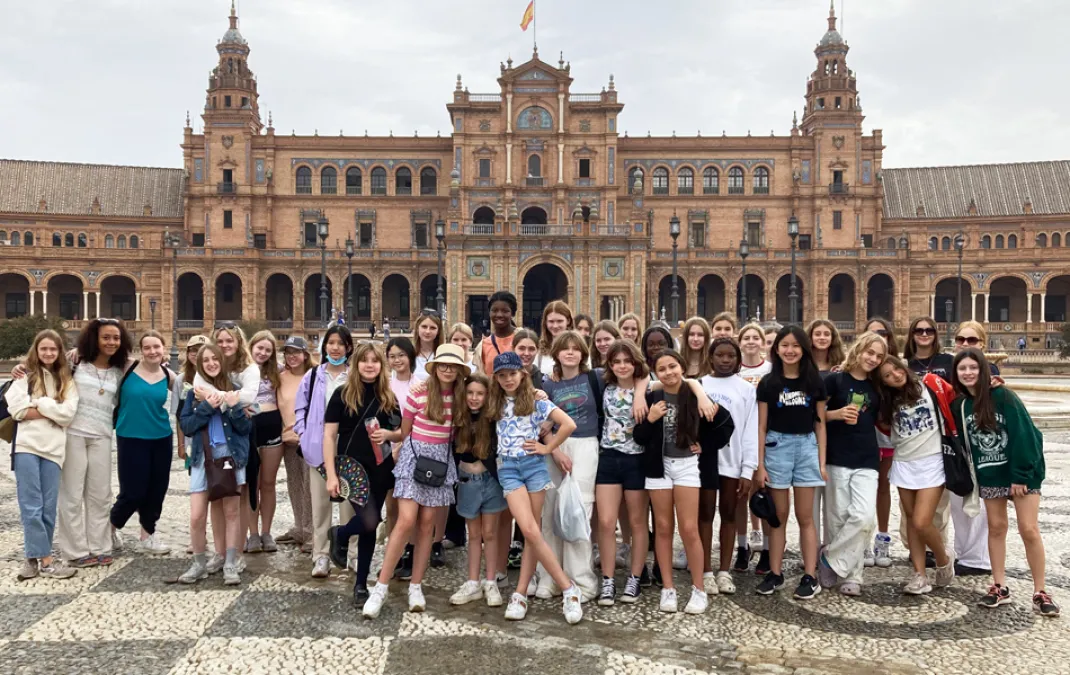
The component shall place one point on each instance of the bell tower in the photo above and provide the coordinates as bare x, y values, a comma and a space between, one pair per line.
232, 93
831, 92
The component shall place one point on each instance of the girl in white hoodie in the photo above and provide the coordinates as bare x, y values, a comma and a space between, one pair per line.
42, 404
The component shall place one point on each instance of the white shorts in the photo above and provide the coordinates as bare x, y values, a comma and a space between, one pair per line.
927, 472
679, 472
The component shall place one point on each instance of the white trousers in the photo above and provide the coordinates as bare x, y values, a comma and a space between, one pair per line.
851, 515
84, 503
323, 513
821, 523
971, 536
574, 556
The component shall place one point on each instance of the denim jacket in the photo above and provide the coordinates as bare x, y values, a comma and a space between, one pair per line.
195, 417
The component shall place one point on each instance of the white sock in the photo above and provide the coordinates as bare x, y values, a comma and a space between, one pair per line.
765, 542
741, 540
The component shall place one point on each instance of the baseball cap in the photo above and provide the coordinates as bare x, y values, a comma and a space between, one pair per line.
761, 505
197, 341
507, 361
296, 342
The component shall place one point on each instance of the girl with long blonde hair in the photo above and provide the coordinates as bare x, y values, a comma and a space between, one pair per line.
556, 319
631, 327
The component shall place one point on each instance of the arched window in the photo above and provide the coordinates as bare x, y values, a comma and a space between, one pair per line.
68, 240
403, 182
122, 241
933, 244
999, 241
109, 241
428, 181
354, 180
16, 238
57, 239
304, 180
378, 181
945, 244
761, 181
986, 241
133, 241
1042, 240
891, 243
735, 181
1067, 239
328, 181
661, 181
3, 236
1056, 240
685, 181
82, 240
27, 239
711, 181
1012, 241
534, 166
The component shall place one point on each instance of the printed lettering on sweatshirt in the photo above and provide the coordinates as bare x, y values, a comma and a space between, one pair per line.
991, 444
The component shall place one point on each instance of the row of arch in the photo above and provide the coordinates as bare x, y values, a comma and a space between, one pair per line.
354, 181
69, 240
1057, 240
65, 295
711, 180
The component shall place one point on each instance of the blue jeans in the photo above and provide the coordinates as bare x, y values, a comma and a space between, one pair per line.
37, 488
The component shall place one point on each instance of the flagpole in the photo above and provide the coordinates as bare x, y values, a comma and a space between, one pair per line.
534, 27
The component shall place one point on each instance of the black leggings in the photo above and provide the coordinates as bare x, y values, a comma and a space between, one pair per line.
144, 467
363, 525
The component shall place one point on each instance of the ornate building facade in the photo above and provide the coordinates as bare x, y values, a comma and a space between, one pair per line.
536, 190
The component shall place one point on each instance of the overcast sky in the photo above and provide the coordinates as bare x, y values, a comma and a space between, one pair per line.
949, 81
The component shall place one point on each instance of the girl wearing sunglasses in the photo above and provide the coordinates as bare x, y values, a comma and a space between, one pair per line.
922, 351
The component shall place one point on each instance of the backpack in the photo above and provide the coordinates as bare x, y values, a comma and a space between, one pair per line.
122, 381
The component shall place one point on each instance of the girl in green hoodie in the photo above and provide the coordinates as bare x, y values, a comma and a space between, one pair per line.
1008, 457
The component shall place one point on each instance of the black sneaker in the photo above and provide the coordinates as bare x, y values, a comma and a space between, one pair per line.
997, 595
516, 554
632, 589
403, 571
763, 564
360, 593
770, 584
609, 592
1043, 604
808, 588
930, 560
438, 555
742, 559
645, 579
338, 548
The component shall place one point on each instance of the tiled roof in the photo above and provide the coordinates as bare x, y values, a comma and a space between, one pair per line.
997, 190
71, 188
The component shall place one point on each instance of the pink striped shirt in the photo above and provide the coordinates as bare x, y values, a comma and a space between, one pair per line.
426, 430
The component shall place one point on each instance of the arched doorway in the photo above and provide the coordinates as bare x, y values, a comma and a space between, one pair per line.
880, 297
543, 284
65, 297
190, 298
842, 300
228, 300
429, 292
313, 313
279, 298
118, 296
396, 300
755, 298
362, 299
945, 293
533, 215
15, 292
1006, 302
665, 299
1057, 299
711, 296
484, 215
783, 300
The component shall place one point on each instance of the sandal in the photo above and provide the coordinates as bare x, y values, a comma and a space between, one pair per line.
104, 560
84, 561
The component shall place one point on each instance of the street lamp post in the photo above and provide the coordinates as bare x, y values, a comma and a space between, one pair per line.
173, 241
960, 244
152, 312
349, 303
440, 235
324, 228
674, 231
793, 293
948, 309
744, 251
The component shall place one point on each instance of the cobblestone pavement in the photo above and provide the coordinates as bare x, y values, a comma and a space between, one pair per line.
125, 619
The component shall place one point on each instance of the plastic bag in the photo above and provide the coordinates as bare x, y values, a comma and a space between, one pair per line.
571, 522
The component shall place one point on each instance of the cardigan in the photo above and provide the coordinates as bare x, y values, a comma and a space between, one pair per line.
712, 436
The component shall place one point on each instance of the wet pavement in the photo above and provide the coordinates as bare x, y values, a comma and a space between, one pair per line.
127, 619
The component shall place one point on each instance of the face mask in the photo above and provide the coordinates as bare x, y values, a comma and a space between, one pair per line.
337, 362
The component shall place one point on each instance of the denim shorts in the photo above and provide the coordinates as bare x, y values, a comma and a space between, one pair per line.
620, 468
478, 494
791, 460
527, 471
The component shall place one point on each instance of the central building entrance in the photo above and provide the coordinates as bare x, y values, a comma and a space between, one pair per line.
543, 284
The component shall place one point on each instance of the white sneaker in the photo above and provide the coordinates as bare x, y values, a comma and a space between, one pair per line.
321, 569
571, 605
469, 591
153, 545
116, 541
882, 545
709, 583
375, 601
868, 559
517, 609
215, 564
416, 598
698, 603
596, 556
533, 586
492, 594
725, 584
679, 561
668, 600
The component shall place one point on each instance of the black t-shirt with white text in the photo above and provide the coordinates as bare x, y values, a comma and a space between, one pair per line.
792, 410
853, 446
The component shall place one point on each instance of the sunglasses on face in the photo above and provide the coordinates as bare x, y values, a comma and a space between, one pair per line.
430, 312
229, 325
924, 331
108, 322
971, 341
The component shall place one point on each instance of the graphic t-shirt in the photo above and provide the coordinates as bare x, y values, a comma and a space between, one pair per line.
915, 434
792, 410
938, 364
575, 397
619, 424
668, 447
853, 446
513, 429
754, 374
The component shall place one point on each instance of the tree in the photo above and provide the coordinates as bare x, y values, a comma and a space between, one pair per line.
16, 335
1064, 339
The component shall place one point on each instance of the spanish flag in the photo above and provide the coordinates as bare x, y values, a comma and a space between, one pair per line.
529, 16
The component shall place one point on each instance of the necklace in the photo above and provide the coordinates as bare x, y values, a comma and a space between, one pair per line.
101, 380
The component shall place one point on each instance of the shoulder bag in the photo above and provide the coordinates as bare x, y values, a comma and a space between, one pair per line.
957, 475
220, 473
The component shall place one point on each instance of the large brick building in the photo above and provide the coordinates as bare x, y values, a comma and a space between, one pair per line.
535, 190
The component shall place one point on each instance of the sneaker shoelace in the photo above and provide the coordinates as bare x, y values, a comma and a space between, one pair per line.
632, 586
607, 587
1043, 598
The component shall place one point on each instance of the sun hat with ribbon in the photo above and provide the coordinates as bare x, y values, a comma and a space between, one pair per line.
449, 355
